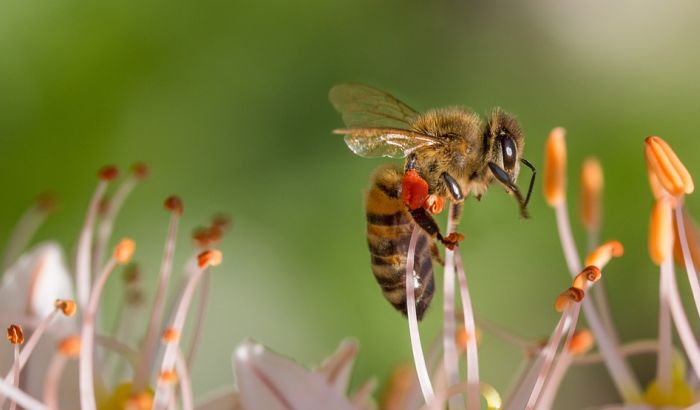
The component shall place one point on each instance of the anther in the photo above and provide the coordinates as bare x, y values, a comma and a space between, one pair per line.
210, 257
46, 202
70, 346
68, 307
170, 335
124, 251
581, 342
131, 274
588, 274
201, 237
15, 335
555, 167
108, 173
174, 204
168, 376
140, 401
462, 337
591, 192
221, 221
661, 230
567, 297
602, 254
671, 172
140, 170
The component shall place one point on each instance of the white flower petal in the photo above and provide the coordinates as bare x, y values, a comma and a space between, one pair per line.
269, 381
338, 367
32, 284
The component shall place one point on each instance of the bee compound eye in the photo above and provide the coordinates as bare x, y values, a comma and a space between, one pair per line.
509, 152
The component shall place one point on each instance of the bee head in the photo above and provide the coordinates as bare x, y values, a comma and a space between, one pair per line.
504, 143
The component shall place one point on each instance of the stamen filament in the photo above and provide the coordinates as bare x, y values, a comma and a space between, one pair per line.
548, 354
206, 259
450, 358
87, 388
20, 397
15, 368
683, 328
53, 379
687, 257
199, 321
184, 382
104, 230
626, 383
490, 394
418, 358
149, 350
473, 399
82, 256
663, 359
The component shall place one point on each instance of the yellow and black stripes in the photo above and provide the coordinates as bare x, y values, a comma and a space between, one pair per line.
389, 228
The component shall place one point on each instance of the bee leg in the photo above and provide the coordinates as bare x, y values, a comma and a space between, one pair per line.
425, 221
435, 253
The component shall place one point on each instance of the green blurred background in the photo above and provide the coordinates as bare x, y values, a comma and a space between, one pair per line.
227, 102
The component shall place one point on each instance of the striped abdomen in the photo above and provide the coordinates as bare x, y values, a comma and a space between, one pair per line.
389, 228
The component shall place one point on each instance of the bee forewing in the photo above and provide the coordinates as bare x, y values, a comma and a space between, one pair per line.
378, 142
365, 106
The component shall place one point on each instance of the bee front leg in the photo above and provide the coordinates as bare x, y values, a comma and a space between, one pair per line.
425, 221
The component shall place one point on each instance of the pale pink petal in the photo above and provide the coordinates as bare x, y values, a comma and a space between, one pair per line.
269, 381
338, 367
32, 284
29, 289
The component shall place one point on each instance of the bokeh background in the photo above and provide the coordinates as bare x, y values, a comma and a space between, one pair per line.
227, 102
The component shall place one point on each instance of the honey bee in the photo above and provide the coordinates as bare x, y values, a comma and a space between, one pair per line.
450, 153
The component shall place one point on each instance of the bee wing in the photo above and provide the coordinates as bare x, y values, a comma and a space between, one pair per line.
384, 142
365, 106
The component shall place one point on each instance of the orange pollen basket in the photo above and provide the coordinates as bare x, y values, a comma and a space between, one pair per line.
414, 189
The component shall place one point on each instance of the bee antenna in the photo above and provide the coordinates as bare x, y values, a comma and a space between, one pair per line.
532, 180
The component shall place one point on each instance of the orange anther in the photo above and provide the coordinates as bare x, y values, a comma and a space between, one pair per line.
588, 274
581, 342
555, 167
414, 189
567, 297
140, 170
210, 257
70, 346
671, 172
140, 401
174, 204
68, 307
170, 335
15, 335
46, 202
602, 254
168, 376
124, 251
591, 193
108, 173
